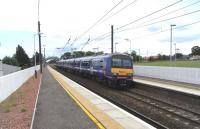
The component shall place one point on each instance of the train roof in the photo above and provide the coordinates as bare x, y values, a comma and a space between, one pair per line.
94, 57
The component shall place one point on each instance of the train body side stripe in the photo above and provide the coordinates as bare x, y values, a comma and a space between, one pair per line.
122, 71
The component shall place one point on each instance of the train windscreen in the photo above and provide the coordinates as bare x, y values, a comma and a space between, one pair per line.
121, 61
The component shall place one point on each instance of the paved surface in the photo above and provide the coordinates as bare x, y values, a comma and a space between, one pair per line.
107, 114
56, 110
177, 86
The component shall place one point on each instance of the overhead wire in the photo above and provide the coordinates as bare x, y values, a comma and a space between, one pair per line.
85, 43
110, 17
73, 42
98, 21
175, 17
126, 6
67, 42
108, 34
172, 12
101, 37
178, 27
149, 14
163, 15
137, 19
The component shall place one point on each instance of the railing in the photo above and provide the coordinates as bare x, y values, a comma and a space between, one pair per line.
11, 82
179, 74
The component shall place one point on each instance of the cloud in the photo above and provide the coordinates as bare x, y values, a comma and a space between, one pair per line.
181, 39
183, 29
62, 19
154, 29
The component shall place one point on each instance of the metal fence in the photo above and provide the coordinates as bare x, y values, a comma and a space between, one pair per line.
11, 82
179, 74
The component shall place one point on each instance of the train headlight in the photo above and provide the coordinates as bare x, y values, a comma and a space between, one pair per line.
114, 74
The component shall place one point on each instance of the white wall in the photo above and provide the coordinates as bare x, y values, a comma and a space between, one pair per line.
179, 74
11, 82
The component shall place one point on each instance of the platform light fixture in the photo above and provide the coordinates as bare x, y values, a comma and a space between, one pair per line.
171, 26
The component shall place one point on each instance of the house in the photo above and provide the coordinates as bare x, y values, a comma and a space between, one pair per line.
195, 57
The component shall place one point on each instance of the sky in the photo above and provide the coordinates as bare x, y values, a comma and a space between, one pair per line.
62, 20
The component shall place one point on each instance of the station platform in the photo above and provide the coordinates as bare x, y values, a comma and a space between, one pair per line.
192, 89
56, 110
64, 104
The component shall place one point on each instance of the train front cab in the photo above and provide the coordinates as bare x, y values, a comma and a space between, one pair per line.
121, 70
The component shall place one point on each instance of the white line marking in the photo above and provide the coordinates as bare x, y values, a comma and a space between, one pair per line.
33, 117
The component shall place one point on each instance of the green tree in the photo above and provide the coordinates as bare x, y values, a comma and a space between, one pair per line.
151, 58
78, 54
160, 57
179, 55
99, 53
196, 50
66, 55
89, 53
22, 57
37, 58
165, 57
134, 55
10, 61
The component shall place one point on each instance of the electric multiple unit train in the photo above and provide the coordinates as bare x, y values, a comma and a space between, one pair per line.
115, 69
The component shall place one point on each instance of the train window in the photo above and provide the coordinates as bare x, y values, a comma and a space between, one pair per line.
87, 64
116, 62
97, 64
121, 61
94, 64
101, 64
127, 63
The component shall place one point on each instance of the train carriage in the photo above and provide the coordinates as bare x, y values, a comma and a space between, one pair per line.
115, 69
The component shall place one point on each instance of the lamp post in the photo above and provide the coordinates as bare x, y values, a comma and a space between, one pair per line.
130, 43
35, 52
44, 55
172, 25
96, 49
138, 53
39, 37
116, 46
175, 52
58, 51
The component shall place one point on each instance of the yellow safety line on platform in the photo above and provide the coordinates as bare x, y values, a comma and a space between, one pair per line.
60, 81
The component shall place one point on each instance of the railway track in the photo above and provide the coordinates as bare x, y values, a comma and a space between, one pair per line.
187, 117
156, 112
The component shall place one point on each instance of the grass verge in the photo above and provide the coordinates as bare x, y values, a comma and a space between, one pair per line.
191, 64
